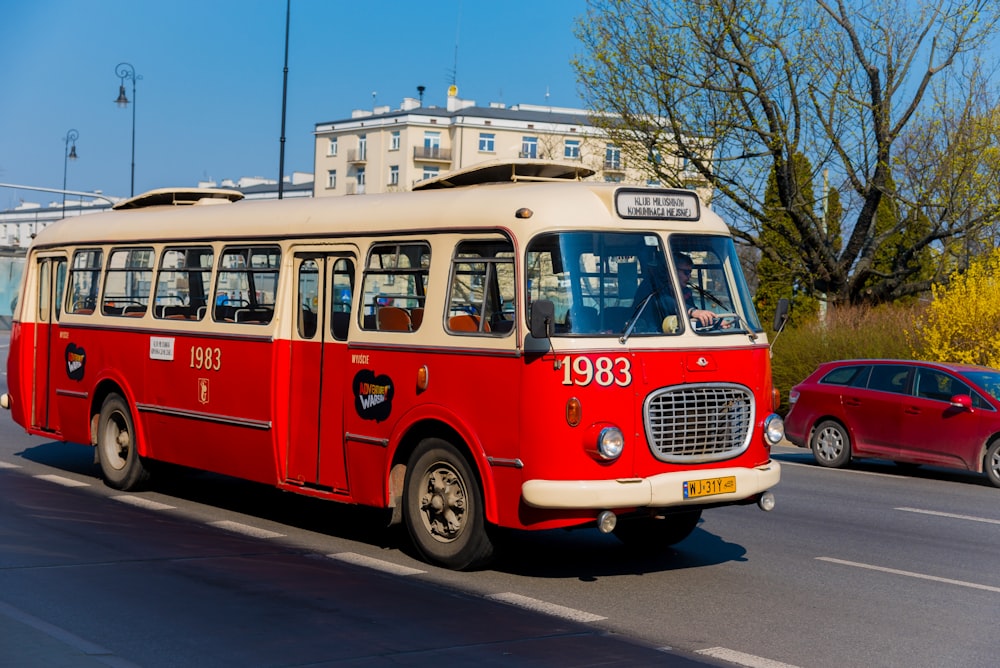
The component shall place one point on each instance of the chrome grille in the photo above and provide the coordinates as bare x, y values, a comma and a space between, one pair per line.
699, 423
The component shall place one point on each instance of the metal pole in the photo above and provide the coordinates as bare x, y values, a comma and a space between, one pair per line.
71, 136
126, 71
284, 98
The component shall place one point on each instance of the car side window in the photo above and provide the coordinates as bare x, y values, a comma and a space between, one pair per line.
890, 378
844, 375
933, 384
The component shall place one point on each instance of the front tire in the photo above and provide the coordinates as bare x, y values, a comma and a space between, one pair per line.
992, 463
656, 534
443, 507
831, 444
121, 465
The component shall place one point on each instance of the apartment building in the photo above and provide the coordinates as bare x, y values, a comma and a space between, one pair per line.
387, 150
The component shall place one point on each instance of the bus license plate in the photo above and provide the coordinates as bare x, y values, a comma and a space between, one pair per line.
709, 487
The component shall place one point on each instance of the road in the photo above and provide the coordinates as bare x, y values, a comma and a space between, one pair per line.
872, 566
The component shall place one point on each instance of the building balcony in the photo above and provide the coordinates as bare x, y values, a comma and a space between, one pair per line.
432, 154
353, 188
614, 166
357, 156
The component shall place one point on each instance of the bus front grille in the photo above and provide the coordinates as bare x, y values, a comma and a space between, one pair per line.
699, 422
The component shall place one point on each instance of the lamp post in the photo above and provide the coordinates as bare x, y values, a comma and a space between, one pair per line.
126, 71
69, 154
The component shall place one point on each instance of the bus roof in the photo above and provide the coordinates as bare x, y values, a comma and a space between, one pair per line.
525, 207
500, 170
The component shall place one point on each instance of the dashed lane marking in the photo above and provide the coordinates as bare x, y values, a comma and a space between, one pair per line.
543, 606
60, 480
971, 518
910, 574
245, 529
742, 659
141, 502
373, 563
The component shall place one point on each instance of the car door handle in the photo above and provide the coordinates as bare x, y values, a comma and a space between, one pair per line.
912, 410
849, 401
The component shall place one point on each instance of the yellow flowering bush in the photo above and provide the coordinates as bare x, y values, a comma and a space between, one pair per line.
962, 323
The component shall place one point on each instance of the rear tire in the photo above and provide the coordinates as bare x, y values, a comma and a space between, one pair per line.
656, 534
992, 463
121, 465
831, 444
443, 507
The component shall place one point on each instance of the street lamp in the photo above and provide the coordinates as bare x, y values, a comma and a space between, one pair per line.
69, 154
126, 71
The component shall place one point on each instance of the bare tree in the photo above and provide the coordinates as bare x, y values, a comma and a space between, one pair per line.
736, 88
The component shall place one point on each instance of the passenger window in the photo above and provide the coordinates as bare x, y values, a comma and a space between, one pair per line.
394, 287
482, 292
246, 285
935, 385
889, 378
308, 298
341, 294
128, 282
183, 283
842, 375
84, 281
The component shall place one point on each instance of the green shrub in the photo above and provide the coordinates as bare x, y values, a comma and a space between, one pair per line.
849, 332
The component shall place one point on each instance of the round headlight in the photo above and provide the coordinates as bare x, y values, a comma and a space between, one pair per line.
774, 429
610, 442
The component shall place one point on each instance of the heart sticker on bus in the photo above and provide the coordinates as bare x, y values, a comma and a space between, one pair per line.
372, 395
76, 360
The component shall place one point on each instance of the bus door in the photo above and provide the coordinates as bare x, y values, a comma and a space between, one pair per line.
49, 357
323, 290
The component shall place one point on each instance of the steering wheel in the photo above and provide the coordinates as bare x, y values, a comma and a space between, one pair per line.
718, 324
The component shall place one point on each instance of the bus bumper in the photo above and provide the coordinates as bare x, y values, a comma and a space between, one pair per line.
659, 491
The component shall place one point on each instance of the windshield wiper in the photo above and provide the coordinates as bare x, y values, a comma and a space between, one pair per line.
630, 325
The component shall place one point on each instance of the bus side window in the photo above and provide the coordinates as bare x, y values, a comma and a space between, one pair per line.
341, 294
84, 281
128, 282
246, 284
394, 286
482, 294
182, 283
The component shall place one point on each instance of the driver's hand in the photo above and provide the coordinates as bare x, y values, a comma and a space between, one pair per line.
703, 317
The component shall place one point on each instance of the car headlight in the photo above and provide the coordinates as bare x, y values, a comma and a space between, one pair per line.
774, 429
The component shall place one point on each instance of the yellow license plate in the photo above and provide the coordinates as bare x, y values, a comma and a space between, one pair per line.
709, 487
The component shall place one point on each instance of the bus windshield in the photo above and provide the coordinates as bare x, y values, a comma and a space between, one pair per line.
604, 283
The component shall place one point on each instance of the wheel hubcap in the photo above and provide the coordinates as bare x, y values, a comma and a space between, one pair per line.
442, 503
117, 442
829, 444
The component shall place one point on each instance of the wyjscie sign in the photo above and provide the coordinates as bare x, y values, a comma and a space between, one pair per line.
658, 204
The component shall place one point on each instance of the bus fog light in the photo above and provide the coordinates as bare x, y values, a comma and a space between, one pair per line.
606, 521
766, 501
610, 443
774, 429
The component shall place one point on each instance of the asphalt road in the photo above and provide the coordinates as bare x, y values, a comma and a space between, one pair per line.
872, 566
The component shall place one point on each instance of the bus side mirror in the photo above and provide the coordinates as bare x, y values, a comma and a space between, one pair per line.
781, 314
543, 315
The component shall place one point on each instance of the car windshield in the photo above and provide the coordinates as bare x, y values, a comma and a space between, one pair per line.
987, 379
603, 284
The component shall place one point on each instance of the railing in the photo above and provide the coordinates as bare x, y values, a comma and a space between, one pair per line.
432, 154
357, 156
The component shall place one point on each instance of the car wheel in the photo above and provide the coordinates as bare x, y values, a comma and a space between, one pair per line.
120, 462
831, 444
992, 463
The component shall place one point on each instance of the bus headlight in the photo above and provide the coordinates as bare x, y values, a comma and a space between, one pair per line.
610, 443
774, 429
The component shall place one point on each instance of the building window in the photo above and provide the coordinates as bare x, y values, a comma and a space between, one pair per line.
394, 175
394, 141
432, 144
331, 179
572, 149
362, 147
331, 150
529, 147
487, 142
612, 157
361, 179
431, 171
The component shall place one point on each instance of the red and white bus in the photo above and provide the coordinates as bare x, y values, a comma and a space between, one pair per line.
511, 354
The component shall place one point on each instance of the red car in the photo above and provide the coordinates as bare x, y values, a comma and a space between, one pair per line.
905, 411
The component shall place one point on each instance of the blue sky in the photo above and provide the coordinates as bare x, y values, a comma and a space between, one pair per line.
209, 100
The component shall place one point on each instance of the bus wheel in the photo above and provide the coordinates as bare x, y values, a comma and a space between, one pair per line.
655, 534
443, 507
120, 463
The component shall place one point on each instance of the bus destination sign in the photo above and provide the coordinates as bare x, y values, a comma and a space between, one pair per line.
659, 204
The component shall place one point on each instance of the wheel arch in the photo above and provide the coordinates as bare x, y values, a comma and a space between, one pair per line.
104, 388
448, 428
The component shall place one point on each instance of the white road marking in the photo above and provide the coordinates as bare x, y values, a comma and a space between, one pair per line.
971, 518
142, 502
373, 563
8, 465
245, 529
742, 659
910, 574
547, 608
59, 480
